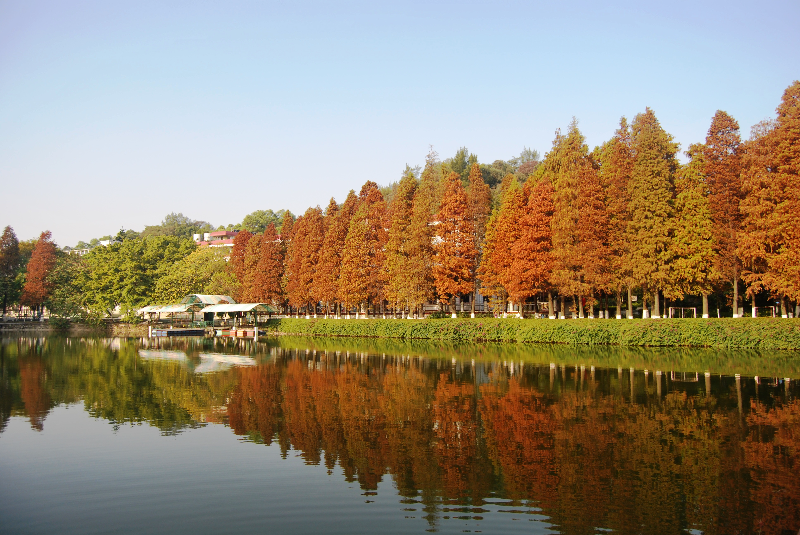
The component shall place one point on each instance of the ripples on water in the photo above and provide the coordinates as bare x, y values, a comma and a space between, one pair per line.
306, 435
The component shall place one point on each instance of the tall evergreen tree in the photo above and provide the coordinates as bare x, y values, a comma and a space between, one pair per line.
422, 288
693, 244
454, 263
722, 169
651, 205
616, 163
397, 266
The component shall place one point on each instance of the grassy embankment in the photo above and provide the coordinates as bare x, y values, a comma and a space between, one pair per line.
743, 333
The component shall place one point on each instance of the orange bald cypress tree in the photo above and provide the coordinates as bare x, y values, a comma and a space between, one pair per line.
616, 164
454, 264
361, 276
321, 288
309, 261
532, 259
37, 286
286, 235
722, 162
579, 221
497, 262
295, 292
592, 235
770, 240
237, 263
327, 281
785, 221
249, 290
270, 268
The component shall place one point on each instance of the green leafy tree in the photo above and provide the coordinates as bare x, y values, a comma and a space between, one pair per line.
126, 274
192, 274
257, 222
9, 266
67, 297
177, 225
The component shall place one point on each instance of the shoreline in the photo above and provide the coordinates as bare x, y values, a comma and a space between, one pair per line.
724, 333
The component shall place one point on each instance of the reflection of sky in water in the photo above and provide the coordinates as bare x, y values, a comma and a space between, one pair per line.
209, 362
214, 362
147, 354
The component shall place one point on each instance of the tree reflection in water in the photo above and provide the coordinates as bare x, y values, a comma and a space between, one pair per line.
458, 429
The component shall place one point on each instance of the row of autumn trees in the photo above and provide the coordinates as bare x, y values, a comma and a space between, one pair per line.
585, 225
588, 227
420, 247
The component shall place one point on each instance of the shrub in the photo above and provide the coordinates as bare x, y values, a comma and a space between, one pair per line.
760, 333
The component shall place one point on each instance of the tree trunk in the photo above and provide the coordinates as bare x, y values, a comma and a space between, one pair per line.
736, 296
561, 313
630, 304
705, 305
784, 311
579, 305
474, 298
550, 312
754, 312
656, 308
619, 303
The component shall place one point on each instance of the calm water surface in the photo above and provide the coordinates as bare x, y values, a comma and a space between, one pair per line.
300, 435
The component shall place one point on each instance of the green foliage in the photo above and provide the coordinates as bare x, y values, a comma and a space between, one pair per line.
258, 221
126, 273
190, 275
177, 225
66, 299
744, 333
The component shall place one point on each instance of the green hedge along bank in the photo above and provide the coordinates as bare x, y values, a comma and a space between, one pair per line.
743, 333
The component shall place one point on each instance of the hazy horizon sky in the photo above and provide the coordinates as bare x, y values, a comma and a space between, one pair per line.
114, 114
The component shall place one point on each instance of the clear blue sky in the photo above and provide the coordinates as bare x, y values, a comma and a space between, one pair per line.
113, 114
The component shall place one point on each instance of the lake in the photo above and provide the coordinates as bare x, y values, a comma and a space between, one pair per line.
299, 435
